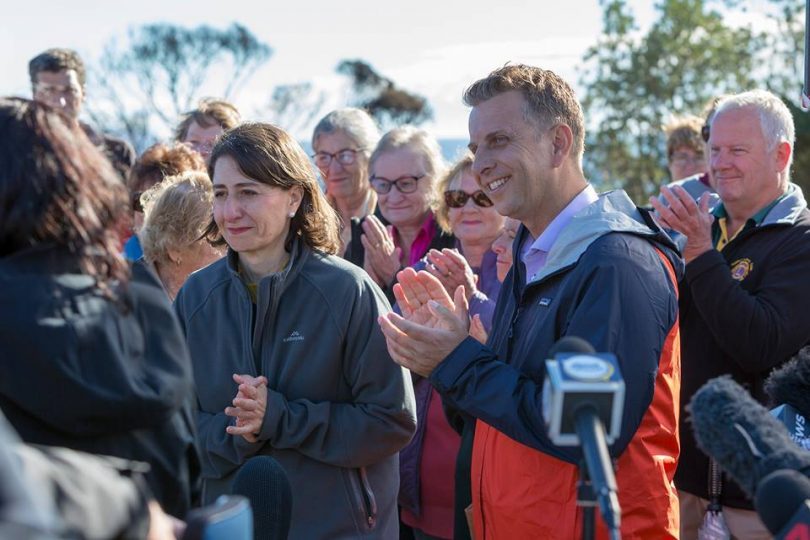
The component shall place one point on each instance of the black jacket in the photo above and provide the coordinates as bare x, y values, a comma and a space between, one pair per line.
356, 252
77, 370
743, 312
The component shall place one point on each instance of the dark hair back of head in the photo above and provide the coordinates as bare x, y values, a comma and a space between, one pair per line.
269, 155
160, 161
57, 188
550, 100
57, 60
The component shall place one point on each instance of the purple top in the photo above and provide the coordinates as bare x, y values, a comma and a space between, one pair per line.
534, 253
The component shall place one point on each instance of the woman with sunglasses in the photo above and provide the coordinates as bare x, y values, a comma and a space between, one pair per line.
427, 464
343, 141
466, 212
403, 169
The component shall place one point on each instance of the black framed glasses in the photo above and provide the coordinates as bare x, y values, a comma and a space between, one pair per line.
404, 184
457, 198
347, 156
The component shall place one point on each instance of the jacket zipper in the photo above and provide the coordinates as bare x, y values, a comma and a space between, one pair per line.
369, 504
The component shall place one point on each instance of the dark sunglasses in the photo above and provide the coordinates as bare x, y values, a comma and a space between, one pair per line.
456, 198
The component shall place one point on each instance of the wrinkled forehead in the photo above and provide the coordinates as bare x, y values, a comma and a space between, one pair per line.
503, 112
735, 123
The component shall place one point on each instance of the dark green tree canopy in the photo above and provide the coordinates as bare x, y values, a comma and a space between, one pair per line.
382, 98
634, 83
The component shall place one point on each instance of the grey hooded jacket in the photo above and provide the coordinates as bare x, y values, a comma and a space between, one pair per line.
338, 408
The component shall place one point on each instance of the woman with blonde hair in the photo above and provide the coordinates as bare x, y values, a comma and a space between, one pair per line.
178, 211
288, 358
403, 170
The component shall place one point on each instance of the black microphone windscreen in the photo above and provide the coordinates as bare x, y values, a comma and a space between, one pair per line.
779, 496
571, 344
791, 383
263, 481
741, 435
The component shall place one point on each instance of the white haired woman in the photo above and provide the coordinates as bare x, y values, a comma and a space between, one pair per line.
343, 141
403, 171
177, 212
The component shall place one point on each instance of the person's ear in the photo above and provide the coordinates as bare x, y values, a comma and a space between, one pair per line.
562, 141
174, 256
782, 155
296, 194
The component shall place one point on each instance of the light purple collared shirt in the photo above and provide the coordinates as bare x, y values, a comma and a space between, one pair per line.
533, 253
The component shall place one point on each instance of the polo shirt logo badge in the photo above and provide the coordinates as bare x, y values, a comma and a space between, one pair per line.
295, 336
544, 302
741, 268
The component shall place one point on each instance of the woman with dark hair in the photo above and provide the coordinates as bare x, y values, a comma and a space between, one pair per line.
91, 360
288, 358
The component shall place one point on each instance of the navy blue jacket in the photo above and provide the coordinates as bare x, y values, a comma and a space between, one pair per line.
604, 282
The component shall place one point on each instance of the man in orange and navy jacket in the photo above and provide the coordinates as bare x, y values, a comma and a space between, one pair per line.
591, 266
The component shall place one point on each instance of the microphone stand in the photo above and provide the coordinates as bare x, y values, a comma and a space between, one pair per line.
597, 465
586, 499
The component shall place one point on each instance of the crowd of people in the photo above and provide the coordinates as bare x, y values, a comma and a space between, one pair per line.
376, 320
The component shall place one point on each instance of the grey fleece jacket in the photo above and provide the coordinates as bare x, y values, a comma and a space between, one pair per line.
338, 408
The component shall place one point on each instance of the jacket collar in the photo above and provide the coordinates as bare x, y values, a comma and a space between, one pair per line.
612, 212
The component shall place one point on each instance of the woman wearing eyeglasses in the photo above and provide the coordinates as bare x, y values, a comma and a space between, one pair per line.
427, 464
343, 141
403, 169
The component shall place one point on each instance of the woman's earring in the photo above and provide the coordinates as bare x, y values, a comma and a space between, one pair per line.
291, 214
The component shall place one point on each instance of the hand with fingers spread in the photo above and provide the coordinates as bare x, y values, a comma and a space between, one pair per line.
690, 218
431, 325
249, 406
451, 269
382, 259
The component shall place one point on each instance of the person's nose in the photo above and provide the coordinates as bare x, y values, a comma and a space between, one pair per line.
720, 160
335, 167
482, 166
231, 210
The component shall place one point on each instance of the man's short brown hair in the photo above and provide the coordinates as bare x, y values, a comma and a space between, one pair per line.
57, 60
210, 112
550, 100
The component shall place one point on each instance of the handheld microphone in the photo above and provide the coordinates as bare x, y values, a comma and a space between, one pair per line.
783, 504
263, 481
741, 435
789, 388
583, 392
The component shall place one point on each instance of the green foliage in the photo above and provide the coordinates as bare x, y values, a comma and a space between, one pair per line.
635, 82
384, 100
144, 84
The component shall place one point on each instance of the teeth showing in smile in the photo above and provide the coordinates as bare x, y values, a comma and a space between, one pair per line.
495, 184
